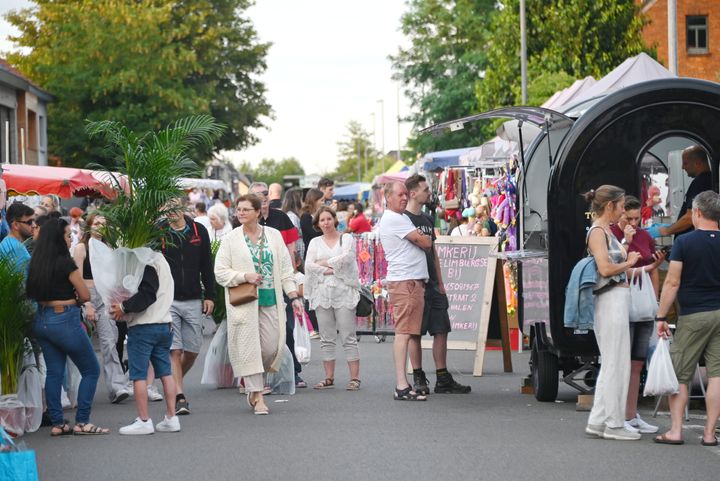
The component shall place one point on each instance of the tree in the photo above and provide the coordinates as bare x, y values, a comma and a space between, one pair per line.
574, 38
270, 171
143, 64
353, 150
439, 68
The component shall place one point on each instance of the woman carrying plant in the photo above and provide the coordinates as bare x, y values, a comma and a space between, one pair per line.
256, 255
611, 316
55, 282
332, 287
96, 312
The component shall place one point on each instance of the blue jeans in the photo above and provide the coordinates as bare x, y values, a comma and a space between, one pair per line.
60, 335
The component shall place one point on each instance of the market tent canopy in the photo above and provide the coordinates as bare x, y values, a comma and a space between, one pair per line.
351, 191
569, 94
188, 183
444, 158
398, 166
64, 182
396, 177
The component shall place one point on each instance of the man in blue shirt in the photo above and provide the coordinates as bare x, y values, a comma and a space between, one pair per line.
694, 279
21, 222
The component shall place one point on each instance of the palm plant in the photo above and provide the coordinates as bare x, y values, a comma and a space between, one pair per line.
15, 321
151, 165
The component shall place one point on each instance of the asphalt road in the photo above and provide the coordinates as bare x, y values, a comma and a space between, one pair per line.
494, 433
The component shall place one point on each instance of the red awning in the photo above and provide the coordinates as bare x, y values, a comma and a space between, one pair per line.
64, 182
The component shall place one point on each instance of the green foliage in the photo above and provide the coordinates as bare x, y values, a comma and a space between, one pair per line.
572, 37
142, 64
152, 163
352, 152
15, 321
446, 55
269, 170
545, 85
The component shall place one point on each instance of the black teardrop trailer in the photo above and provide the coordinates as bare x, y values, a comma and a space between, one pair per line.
602, 141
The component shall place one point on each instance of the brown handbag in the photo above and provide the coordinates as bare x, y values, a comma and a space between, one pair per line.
242, 294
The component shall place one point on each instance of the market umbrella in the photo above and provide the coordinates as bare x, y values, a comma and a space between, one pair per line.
64, 182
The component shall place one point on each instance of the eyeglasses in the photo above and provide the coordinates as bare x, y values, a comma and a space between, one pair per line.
245, 211
27, 222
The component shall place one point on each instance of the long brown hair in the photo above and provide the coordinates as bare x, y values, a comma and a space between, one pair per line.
312, 196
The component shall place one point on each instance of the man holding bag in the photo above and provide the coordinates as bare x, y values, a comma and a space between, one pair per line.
694, 278
644, 284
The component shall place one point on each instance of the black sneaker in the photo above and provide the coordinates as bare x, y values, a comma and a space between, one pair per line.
447, 385
182, 407
420, 383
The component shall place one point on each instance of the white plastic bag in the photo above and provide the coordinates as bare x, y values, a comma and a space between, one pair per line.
12, 414
661, 379
283, 381
217, 369
30, 391
643, 302
117, 272
302, 338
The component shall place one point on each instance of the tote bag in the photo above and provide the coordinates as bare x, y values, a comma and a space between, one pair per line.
16, 465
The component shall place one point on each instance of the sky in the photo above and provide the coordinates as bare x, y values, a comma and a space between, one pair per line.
328, 65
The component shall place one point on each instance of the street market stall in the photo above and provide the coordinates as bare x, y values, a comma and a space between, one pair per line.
64, 182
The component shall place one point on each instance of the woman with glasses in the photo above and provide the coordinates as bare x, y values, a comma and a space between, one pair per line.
55, 282
257, 255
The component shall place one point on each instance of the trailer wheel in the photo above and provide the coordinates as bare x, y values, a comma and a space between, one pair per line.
544, 374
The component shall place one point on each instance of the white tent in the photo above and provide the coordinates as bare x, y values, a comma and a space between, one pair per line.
567, 95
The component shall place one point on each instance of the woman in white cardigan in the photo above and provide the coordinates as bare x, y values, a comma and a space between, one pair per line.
332, 286
256, 330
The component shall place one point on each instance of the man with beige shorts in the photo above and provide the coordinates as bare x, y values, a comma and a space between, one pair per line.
405, 247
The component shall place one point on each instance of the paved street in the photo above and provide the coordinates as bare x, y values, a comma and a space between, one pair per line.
494, 433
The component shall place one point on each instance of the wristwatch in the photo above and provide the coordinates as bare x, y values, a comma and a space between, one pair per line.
660, 319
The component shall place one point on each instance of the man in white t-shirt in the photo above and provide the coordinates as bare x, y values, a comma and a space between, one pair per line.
404, 246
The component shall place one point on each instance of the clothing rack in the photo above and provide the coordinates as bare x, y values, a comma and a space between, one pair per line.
372, 269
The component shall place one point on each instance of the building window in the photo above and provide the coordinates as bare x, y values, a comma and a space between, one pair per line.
697, 33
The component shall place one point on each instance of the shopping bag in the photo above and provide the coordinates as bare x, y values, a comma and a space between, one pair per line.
283, 381
12, 414
16, 464
661, 379
30, 391
302, 338
643, 303
217, 369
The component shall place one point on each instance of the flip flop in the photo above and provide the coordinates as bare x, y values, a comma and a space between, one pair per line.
711, 443
662, 439
89, 429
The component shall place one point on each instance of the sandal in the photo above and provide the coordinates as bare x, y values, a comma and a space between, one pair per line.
89, 429
408, 394
353, 385
325, 384
61, 429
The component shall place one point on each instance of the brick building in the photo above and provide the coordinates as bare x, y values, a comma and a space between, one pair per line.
698, 33
23, 118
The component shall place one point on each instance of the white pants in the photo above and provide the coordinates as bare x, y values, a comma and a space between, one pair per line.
269, 340
107, 332
612, 331
330, 322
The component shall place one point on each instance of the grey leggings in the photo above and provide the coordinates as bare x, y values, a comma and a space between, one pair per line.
332, 320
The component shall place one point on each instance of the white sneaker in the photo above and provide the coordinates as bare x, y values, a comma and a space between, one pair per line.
154, 394
620, 434
120, 396
168, 425
630, 427
138, 427
641, 426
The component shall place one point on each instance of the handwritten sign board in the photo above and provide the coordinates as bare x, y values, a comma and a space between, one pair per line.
469, 273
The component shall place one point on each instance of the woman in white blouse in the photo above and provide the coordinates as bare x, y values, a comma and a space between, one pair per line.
331, 287
219, 222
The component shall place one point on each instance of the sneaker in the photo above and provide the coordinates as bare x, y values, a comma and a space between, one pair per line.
120, 396
641, 426
137, 428
620, 434
168, 425
447, 385
420, 383
182, 407
630, 427
154, 394
596, 430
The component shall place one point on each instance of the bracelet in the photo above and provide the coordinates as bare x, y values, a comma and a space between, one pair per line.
660, 319
298, 298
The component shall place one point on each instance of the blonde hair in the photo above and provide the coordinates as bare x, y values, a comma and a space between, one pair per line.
599, 198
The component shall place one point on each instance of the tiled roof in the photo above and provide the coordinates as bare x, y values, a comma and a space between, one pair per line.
7, 67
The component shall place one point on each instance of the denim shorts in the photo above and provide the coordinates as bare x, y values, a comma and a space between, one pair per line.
640, 333
148, 343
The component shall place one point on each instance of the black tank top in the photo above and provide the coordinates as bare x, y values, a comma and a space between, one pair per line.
87, 271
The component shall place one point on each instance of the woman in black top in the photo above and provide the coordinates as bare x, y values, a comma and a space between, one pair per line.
55, 282
313, 201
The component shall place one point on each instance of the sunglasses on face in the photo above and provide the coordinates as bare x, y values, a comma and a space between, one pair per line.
27, 222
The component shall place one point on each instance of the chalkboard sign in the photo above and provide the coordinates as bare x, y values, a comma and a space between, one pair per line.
470, 272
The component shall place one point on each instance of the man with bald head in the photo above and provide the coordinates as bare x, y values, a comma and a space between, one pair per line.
695, 164
404, 246
275, 195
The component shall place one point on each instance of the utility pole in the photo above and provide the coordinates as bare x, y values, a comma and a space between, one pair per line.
672, 36
382, 133
523, 54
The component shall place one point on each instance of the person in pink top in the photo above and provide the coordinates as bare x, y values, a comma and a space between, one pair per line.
638, 240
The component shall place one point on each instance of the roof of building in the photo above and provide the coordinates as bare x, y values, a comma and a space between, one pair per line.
11, 76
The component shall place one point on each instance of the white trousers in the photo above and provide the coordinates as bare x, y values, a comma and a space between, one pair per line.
107, 332
612, 331
332, 321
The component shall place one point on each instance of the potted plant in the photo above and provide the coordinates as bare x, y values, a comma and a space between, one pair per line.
16, 315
